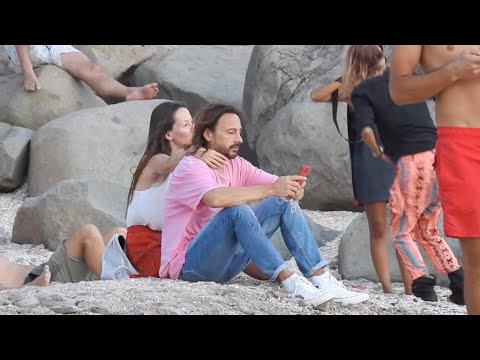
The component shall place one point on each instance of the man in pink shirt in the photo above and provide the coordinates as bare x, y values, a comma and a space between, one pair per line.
210, 234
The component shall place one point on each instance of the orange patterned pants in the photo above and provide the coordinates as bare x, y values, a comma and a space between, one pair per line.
415, 207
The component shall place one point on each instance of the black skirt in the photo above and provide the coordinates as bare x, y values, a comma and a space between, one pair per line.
371, 177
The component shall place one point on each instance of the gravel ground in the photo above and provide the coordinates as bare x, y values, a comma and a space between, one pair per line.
242, 295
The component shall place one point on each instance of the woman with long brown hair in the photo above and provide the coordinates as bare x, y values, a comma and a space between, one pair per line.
169, 133
371, 177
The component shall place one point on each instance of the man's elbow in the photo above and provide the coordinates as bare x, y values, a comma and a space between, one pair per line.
212, 201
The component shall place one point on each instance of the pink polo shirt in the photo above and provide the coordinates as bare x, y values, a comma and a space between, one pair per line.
185, 214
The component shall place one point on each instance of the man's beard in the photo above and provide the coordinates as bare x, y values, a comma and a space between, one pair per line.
228, 153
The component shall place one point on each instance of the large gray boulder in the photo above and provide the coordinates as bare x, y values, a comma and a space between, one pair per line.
102, 143
53, 216
14, 153
355, 261
302, 133
277, 72
198, 74
60, 94
288, 130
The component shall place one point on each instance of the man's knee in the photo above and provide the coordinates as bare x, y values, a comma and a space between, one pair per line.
239, 211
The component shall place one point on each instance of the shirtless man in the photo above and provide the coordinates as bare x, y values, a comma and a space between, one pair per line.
452, 77
77, 64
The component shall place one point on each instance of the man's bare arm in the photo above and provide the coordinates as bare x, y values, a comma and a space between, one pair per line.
285, 186
234, 196
31, 82
406, 88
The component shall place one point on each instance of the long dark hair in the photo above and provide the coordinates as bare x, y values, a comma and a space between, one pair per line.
207, 118
161, 122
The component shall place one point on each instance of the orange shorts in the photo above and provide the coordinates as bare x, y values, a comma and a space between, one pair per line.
144, 250
457, 166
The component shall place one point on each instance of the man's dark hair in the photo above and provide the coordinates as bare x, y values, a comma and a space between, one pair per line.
207, 118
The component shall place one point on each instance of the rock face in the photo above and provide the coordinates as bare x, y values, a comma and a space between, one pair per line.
198, 74
302, 134
14, 153
355, 261
288, 130
95, 144
53, 216
277, 72
60, 94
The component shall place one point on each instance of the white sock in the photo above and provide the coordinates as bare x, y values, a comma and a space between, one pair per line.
316, 279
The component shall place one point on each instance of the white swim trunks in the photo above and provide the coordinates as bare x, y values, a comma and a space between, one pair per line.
40, 54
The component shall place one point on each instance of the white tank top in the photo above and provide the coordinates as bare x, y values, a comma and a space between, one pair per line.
147, 206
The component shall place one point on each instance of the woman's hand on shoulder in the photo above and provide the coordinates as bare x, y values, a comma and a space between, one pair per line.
212, 158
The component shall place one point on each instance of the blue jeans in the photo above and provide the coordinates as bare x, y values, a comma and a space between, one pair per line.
239, 235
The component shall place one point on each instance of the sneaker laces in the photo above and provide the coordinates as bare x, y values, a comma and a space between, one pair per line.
304, 285
332, 281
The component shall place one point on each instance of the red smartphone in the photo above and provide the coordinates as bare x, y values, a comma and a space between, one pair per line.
304, 171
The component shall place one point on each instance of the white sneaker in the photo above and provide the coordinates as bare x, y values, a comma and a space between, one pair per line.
302, 289
329, 283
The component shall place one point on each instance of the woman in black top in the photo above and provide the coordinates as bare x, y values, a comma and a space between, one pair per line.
409, 136
371, 177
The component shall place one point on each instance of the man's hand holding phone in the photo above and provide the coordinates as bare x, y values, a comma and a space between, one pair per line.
291, 187
304, 171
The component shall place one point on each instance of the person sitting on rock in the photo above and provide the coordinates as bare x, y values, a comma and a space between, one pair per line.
211, 234
77, 64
